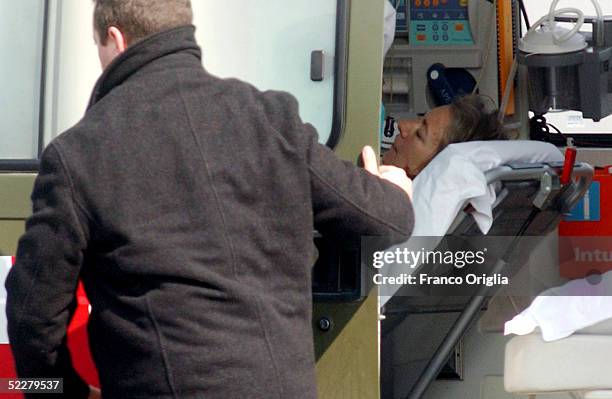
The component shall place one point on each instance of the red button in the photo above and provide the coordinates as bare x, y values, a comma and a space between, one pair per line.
459, 27
421, 38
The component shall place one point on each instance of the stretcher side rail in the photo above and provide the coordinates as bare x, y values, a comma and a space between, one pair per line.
520, 186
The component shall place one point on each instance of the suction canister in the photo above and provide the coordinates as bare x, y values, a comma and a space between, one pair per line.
568, 69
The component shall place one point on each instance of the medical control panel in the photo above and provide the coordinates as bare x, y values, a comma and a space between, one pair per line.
462, 38
439, 23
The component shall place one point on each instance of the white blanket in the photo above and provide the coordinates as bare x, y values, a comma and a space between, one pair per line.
456, 178
561, 311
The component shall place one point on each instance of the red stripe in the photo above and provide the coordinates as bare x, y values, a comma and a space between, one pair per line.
77, 342
7, 369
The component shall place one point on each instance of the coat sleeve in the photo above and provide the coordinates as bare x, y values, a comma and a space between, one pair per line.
41, 286
348, 202
351, 203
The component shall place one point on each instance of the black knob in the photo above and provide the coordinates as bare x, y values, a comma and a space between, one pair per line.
325, 324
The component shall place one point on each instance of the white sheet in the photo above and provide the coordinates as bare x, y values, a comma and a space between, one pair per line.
455, 178
561, 311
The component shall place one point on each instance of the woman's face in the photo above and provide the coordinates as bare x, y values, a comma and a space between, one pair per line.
419, 141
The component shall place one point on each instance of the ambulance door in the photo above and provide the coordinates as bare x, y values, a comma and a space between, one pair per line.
328, 53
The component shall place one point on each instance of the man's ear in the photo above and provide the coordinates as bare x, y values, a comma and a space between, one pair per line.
118, 39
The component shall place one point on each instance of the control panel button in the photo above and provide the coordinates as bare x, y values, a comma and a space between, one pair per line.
421, 37
445, 38
426, 3
435, 3
435, 27
417, 3
463, 3
459, 27
436, 38
445, 27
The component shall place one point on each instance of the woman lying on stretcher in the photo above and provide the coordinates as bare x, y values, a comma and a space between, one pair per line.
420, 140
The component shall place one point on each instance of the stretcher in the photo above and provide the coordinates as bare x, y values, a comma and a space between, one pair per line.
530, 200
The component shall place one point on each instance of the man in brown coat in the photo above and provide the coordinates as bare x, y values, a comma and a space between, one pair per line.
195, 251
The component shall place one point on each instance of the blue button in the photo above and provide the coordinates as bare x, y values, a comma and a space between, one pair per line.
436, 38
445, 27
445, 38
435, 27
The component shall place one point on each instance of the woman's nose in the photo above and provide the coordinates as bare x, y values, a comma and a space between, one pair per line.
407, 127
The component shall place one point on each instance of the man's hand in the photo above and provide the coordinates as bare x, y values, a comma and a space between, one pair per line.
94, 393
393, 174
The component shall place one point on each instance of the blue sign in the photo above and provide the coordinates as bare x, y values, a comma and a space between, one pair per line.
588, 209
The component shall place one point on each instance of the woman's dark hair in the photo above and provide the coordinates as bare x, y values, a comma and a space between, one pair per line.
471, 121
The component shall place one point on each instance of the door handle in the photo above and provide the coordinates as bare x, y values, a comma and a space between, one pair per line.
317, 58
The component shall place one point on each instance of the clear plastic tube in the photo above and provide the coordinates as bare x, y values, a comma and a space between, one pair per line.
599, 40
551, 17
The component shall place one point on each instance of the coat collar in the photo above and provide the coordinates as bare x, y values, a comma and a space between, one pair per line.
181, 39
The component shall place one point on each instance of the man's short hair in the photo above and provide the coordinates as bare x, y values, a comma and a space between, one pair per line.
137, 19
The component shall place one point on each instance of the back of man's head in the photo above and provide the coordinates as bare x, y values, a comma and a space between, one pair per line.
137, 19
